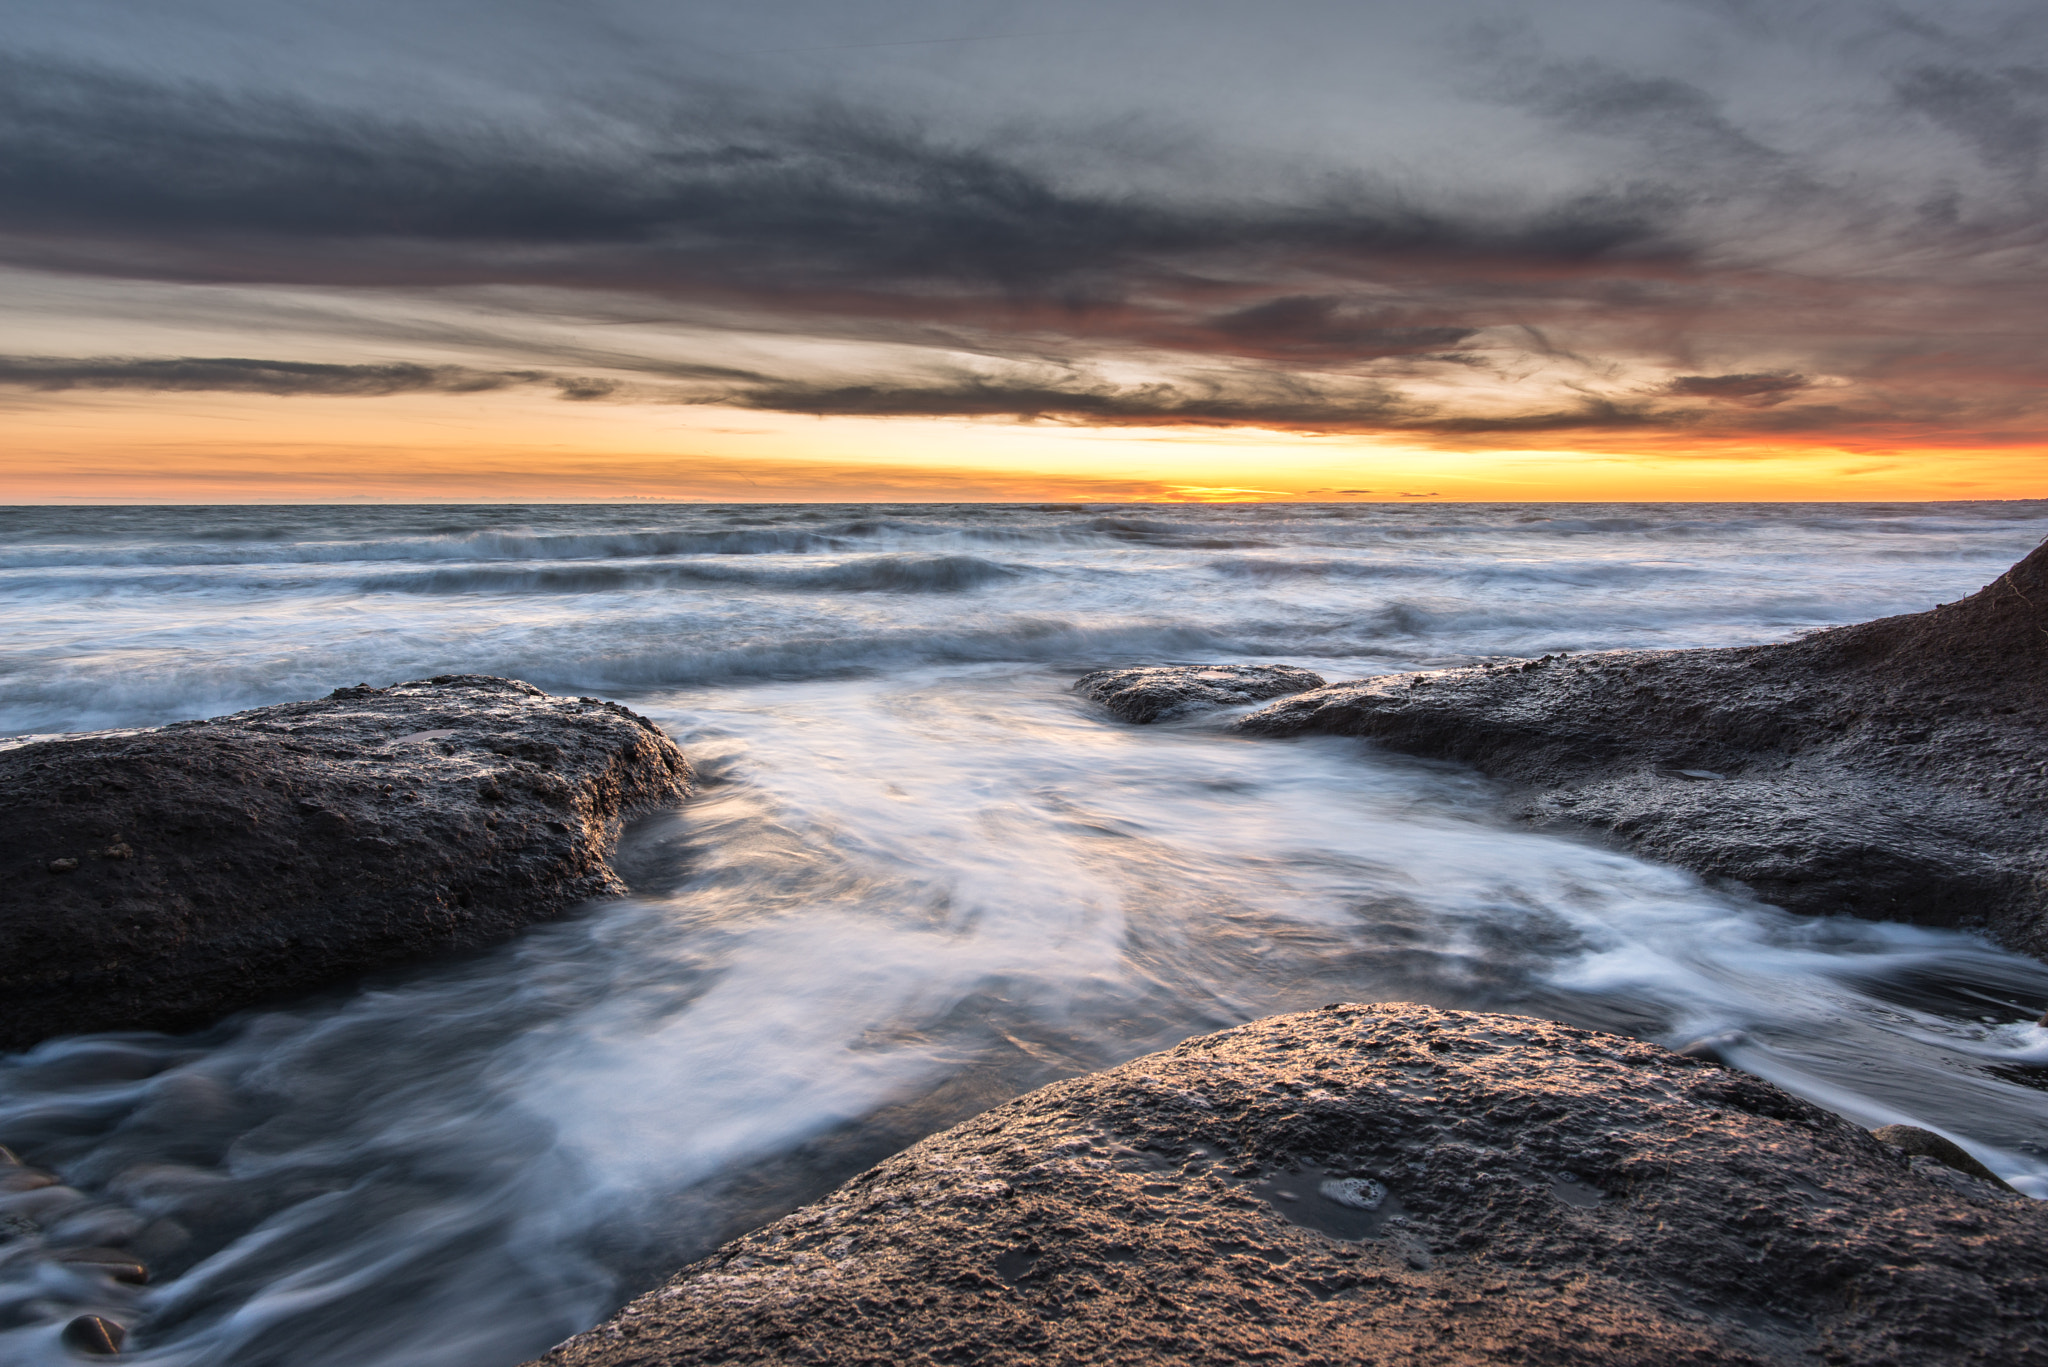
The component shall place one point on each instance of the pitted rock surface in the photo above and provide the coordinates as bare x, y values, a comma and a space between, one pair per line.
1895, 769
157, 879
1544, 1195
1164, 692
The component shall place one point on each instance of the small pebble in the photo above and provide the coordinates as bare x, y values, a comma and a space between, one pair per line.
94, 1334
62, 865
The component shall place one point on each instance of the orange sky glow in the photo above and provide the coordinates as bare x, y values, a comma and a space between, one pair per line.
212, 448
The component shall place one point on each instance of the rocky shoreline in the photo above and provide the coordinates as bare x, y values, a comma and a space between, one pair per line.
1896, 769
1362, 1184
1377, 1184
159, 879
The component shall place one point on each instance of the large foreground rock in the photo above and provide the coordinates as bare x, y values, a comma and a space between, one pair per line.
158, 879
1894, 769
1162, 692
1376, 1184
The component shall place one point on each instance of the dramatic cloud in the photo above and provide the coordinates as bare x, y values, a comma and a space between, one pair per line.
1716, 219
242, 375
1755, 391
238, 375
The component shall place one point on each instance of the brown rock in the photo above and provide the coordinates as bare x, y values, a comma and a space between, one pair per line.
1375, 1184
251, 856
1165, 692
121, 1266
1896, 769
95, 1334
1927, 1144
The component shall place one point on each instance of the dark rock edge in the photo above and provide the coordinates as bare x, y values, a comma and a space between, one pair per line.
159, 879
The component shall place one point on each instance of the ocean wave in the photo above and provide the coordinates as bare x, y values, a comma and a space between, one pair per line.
839, 655
884, 573
473, 546
1592, 574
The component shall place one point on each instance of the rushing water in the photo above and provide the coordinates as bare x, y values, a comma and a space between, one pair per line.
920, 876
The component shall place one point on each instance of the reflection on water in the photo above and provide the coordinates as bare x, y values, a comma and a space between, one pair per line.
906, 892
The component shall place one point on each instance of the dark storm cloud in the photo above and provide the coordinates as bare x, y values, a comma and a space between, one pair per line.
241, 375
1267, 401
2002, 113
1671, 118
1754, 390
222, 187
1274, 402
1304, 326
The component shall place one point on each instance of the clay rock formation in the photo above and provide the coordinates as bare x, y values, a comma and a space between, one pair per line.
1165, 692
1895, 769
1376, 1184
160, 878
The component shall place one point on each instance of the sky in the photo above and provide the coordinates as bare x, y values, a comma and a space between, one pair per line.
536, 250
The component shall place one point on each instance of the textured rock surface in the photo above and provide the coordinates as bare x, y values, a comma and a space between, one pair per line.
1545, 1195
1161, 693
1895, 769
157, 879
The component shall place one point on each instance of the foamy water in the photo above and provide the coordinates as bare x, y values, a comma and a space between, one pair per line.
921, 876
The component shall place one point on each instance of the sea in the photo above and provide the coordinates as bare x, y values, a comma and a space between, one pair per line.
920, 877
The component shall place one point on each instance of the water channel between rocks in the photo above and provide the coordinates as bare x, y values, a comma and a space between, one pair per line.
920, 876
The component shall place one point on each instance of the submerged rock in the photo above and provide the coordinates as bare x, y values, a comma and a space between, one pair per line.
157, 879
1895, 769
1160, 693
1375, 1184
95, 1334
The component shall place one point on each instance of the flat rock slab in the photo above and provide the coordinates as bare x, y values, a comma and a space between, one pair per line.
1895, 769
1376, 1184
158, 879
1165, 692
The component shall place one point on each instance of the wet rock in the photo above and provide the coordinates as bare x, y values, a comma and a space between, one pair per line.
1715, 1048
221, 863
1896, 769
1920, 1143
94, 1334
121, 1266
1158, 694
1505, 1190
